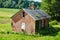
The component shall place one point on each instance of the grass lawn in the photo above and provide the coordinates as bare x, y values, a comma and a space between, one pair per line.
52, 33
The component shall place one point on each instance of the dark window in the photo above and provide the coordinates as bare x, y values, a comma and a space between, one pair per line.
23, 15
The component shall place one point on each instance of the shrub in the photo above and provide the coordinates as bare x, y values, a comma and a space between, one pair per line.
53, 22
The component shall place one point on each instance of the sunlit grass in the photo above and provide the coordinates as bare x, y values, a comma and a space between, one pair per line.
7, 12
5, 27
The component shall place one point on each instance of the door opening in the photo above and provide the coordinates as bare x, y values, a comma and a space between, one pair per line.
23, 26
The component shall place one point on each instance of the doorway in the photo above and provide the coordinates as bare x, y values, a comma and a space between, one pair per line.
23, 26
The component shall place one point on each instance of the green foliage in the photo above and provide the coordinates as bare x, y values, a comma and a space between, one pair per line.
16, 3
54, 22
52, 7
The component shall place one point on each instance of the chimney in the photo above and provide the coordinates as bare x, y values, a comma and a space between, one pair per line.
32, 6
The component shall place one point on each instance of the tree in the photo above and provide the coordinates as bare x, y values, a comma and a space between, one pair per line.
0, 2
52, 7
13, 4
5, 4
17, 3
45, 5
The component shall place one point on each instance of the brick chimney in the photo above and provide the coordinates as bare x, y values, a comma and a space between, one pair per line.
32, 6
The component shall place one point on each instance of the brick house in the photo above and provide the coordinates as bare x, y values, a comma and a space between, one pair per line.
29, 20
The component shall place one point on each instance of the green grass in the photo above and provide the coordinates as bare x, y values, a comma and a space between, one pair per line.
5, 27
5, 14
6, 33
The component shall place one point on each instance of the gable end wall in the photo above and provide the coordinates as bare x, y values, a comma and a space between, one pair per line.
18, 20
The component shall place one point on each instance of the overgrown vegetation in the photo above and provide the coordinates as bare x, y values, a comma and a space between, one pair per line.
52, 7
6, 33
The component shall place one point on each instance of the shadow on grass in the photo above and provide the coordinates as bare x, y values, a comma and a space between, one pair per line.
49, 31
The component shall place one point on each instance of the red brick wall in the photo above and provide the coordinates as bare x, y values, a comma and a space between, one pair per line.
17, 20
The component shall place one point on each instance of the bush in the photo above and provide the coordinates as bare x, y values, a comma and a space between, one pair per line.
53, 22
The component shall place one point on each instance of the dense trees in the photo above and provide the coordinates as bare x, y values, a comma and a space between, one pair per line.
52, 7
17, 3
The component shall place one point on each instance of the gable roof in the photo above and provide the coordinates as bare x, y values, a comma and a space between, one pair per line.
36, 14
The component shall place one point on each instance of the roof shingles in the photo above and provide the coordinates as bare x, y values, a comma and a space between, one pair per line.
37, 14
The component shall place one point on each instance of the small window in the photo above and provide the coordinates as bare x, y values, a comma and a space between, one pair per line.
23, 15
